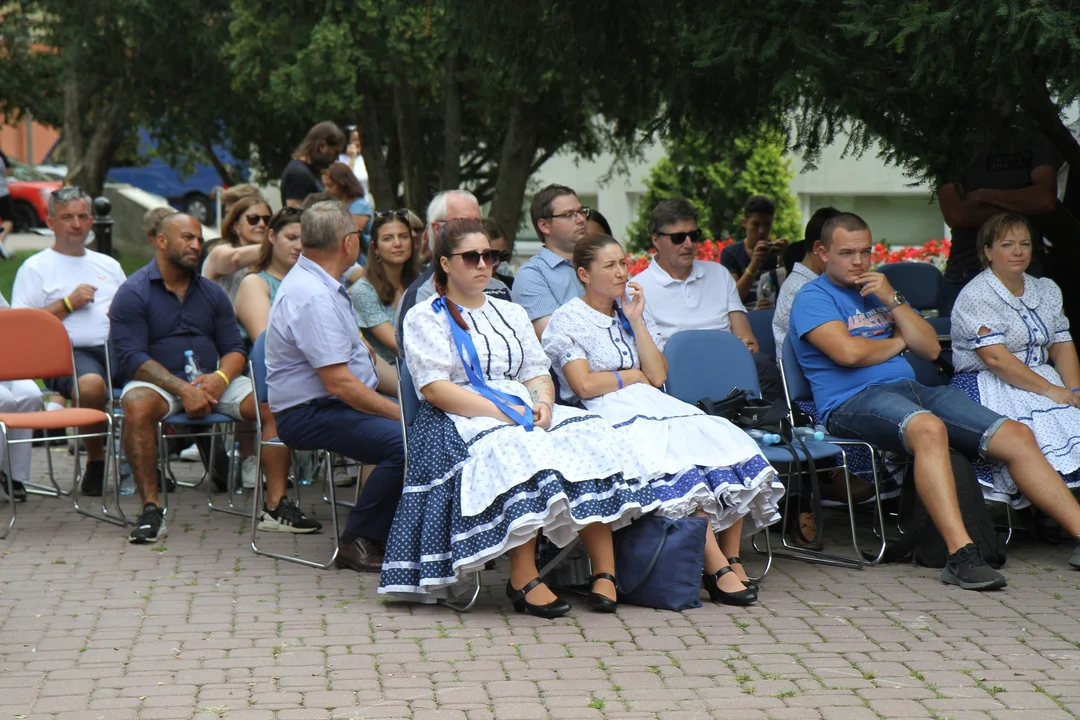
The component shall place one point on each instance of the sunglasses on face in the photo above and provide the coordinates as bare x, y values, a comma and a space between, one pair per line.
254, 220
678, 238
401, 214
471, 258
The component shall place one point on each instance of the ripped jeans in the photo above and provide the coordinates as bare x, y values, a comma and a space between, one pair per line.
880, 415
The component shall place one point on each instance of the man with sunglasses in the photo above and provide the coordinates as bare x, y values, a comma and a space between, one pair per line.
76, 285
547, 280
689, 294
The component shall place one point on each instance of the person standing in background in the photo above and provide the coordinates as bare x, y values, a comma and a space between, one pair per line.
7, 208
353, 158
321, 147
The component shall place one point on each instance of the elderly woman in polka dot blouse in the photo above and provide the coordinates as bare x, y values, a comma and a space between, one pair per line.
508, 462
1013, 353
605, 355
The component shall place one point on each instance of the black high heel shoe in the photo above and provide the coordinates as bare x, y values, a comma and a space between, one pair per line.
598, 602
555, 608
740, 598
750, 584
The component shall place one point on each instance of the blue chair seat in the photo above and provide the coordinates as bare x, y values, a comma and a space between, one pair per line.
211, 419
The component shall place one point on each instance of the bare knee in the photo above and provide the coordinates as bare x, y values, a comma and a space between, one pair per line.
93, 392
926, 431
142, 407
1013, 440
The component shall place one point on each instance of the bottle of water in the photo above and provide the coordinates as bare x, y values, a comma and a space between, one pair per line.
763, 437
808, 433
191, 366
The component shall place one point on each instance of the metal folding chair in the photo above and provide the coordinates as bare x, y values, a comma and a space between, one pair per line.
45, 353
709, 363
257, 370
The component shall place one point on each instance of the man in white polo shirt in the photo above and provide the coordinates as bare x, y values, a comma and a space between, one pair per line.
76, 285
687, 294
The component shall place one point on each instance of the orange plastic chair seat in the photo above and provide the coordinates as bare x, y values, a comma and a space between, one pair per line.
53, 419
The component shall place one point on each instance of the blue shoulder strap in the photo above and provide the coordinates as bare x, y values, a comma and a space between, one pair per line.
471, 361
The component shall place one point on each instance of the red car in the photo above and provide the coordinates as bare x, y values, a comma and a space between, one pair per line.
30, 191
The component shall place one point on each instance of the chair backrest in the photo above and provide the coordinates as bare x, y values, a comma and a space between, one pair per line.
919, 282
708, 363
796, 385
257, 358
43, 346
410, 403
761, 325
926, 372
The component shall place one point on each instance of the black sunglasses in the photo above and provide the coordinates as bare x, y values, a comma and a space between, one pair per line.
471, 258
678, 238
254, 219
401, 214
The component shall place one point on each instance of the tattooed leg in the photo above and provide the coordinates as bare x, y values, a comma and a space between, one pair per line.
143, 408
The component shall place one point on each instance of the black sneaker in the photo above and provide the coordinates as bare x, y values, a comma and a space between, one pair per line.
287, 517
966, 568
17, 487
150, 526
93, 480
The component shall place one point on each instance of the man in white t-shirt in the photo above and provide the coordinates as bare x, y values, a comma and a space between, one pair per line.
76, 285
687, 294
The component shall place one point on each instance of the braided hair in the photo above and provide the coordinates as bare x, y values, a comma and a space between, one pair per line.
450, 236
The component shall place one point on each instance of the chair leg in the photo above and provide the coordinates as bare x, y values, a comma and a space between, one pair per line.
256, 507
115, 430
53, 489
10, 489
464, 602
230, 481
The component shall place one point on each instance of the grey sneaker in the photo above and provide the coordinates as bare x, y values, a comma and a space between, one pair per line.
967, 568
1074, 561
287, 517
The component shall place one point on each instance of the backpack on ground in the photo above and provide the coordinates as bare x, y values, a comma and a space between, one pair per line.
921, 542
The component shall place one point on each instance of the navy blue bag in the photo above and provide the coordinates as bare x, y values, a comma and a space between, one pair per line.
659, 562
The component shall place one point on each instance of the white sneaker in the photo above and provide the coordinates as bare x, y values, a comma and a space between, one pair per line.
342, 478
5, 254
190, 454
248, 472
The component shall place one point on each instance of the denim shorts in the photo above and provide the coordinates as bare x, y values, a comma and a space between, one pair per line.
880, 415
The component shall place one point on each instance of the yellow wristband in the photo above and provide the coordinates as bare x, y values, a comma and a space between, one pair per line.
223, 376
67, 304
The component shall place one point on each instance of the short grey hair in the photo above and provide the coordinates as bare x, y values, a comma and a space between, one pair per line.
66, 195
437, 208
324, 224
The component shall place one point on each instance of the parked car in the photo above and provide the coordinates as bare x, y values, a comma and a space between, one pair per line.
191, 192
30, 191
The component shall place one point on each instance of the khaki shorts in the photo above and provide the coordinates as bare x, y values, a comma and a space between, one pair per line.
228, 404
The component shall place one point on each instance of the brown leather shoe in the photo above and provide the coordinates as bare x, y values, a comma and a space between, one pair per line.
802, 529
833, 488
361, 555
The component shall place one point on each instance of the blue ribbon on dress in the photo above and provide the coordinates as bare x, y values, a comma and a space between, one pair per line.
471, 361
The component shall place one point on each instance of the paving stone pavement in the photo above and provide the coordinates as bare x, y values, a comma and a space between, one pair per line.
200, 627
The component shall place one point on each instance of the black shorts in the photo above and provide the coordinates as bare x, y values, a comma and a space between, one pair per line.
88, 361
7, 209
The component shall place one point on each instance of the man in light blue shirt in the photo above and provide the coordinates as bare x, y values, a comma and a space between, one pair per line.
321, 380
547, 280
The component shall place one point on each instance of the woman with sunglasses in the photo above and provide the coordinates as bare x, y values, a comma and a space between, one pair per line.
242, 235
606, 357
342, 185
391, 268
493, 459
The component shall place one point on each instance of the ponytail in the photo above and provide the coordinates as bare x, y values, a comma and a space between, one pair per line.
451, 307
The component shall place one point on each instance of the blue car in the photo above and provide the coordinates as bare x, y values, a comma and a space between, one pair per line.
192, 192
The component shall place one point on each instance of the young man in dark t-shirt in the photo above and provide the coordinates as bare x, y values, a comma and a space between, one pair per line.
320, 148
1017, 173
757, 254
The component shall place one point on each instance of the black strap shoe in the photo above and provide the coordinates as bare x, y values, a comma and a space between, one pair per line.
602, 603
750, 584
740, 598
556, 608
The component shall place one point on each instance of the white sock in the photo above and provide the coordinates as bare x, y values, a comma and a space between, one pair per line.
54, 406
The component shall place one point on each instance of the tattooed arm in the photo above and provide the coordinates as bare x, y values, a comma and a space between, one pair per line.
197, 402
542, 392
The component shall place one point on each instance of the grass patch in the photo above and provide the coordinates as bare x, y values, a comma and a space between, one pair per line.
596, 703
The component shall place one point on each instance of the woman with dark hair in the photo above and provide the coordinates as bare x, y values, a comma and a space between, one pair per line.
278, 253
391, 268
1013, 353
242, 235
343, 186
597, 224
509, 462
606, 357
501, 245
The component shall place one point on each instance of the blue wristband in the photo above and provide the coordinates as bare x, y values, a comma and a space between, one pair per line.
619, 378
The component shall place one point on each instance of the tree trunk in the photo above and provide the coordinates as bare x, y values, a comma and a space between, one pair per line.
92, 167
451, 168
219, 167
515, 166
411, 140
382, 188
1038, 104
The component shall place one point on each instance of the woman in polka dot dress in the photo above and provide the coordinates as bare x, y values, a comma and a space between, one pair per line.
511, 463
1013, 353
606, 357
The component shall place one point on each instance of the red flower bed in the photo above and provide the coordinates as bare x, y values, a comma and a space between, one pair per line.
706, 250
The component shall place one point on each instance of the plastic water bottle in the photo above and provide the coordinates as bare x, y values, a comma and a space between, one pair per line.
763, 437
807, 433
191, 366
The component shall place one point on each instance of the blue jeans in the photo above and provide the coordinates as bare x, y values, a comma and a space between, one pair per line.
880, 415
330, 424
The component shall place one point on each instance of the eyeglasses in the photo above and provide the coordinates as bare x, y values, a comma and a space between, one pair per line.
401, 214
583, 211
471, 258
253, 219
678, 238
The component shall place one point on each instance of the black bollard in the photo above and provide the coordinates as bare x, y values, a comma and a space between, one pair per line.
103, 225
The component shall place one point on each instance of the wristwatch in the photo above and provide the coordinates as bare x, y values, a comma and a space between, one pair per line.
897, 301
